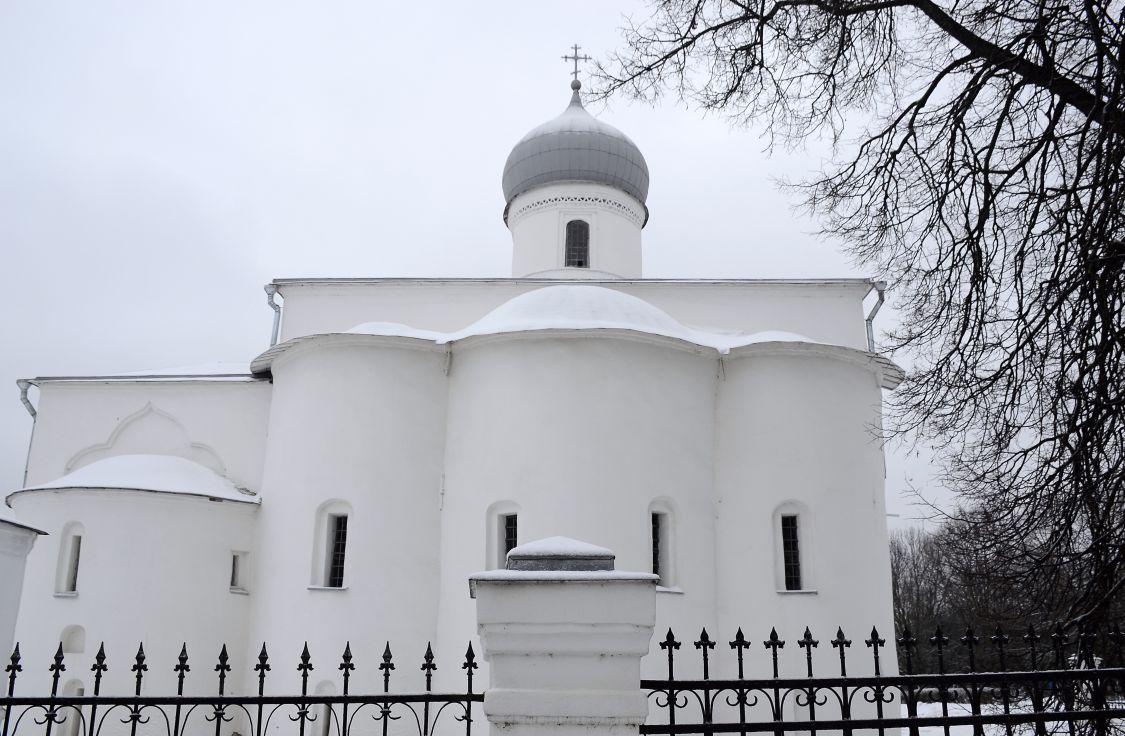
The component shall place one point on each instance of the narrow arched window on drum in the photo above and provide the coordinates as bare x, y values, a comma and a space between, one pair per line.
577, 244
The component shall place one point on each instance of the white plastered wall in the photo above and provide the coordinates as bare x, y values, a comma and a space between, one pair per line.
154, 568
830, 312
582, 433
204, 421
538, 218
357, 419
799, 432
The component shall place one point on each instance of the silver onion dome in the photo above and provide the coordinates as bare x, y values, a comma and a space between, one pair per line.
576, 147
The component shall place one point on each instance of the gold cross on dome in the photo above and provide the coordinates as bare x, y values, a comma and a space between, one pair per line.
576, 58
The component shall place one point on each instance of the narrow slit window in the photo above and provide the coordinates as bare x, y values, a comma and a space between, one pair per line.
74, 558
791, 552
501, 533
577, 244
337, 545
660, 523
511, 533
238, 572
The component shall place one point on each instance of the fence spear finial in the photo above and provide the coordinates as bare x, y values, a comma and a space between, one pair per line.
875, 642
808, 643
428, 665
57, 666
1000, 642
386, 667
970, 640
841, 642
99, 666
13, 668
139, 667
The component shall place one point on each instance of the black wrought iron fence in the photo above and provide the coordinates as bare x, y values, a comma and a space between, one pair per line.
1056, 687
1044, 685
306, 714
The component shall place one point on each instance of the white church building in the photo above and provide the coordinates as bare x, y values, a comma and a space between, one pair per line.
402, 434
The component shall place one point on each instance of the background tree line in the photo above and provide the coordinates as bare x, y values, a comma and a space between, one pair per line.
941, 579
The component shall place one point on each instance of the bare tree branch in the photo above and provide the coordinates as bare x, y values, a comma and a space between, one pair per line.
980, 168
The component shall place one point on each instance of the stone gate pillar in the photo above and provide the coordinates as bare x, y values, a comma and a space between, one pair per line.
564, 634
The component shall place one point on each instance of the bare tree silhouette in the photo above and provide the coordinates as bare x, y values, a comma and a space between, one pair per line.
979, 168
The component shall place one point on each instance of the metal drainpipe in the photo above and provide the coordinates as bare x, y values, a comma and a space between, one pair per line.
24, 385
271, 292
881, 287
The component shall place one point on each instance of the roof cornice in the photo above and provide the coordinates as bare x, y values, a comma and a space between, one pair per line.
406, 280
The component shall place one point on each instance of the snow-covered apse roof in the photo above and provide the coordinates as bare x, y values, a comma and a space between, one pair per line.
154, 473
575, 307
394, 329
587, 308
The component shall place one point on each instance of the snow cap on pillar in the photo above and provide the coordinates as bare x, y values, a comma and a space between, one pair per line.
560, 554
558, 560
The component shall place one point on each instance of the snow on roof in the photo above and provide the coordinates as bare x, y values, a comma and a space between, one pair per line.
769, 336
220, 368
395, 329
8, 516
579, 307
588, 307
156, 473
575, 307
559, 547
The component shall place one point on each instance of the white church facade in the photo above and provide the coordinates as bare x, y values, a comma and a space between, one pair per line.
403, 434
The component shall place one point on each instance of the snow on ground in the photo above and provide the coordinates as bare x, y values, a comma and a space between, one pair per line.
933, 710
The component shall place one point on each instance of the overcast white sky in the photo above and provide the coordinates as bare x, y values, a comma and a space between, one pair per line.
160, 161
